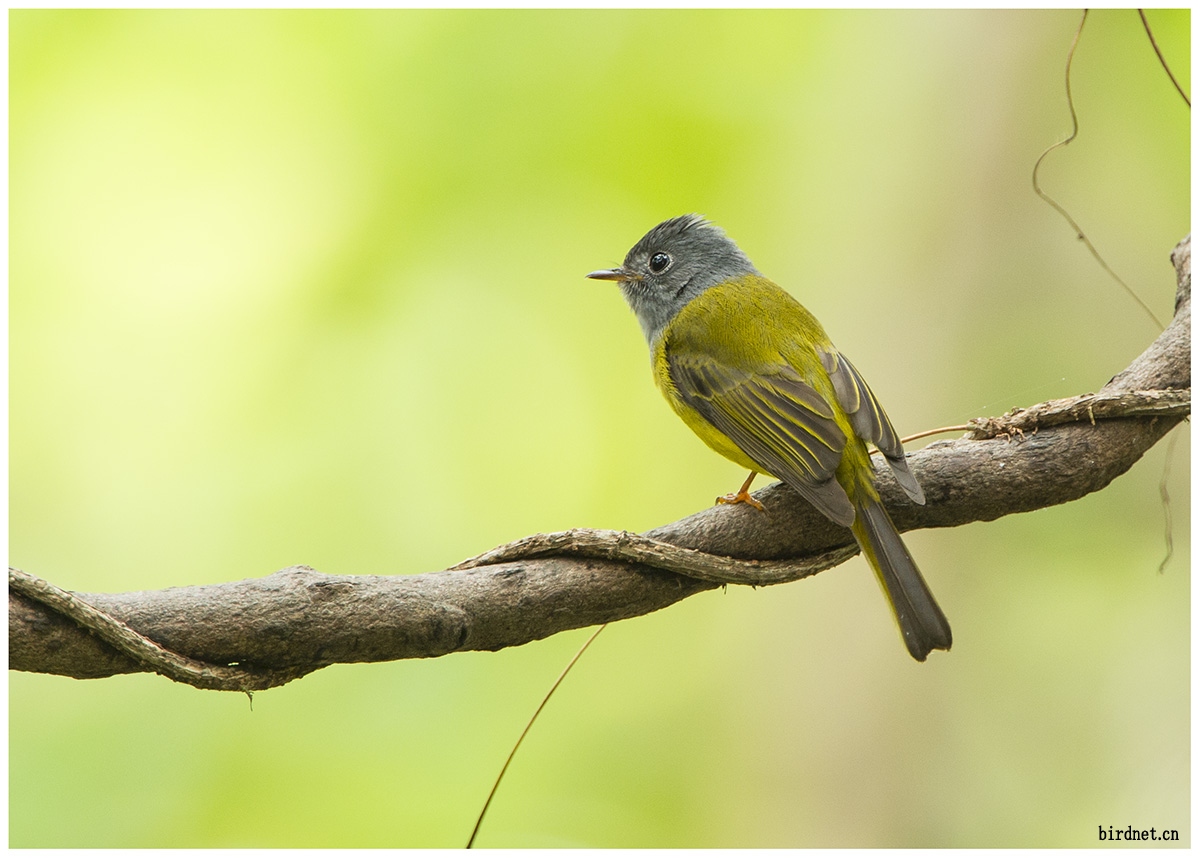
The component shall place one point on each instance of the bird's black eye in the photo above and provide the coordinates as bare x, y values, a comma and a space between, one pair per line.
659, 263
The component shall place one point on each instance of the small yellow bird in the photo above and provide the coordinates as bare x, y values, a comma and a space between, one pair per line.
755, 376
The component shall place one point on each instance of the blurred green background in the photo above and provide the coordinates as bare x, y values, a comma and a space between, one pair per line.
307, 287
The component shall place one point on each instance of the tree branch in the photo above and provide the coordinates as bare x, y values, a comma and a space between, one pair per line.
263, 632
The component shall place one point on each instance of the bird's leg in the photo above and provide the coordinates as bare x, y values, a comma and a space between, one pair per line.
743, 494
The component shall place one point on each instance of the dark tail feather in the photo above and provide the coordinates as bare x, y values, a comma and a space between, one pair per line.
922, 623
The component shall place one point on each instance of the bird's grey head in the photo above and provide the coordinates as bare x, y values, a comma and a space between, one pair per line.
671, 265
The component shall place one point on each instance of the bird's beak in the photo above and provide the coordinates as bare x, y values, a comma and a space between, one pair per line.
618, 274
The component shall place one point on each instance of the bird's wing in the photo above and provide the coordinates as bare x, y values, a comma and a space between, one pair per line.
868, 418
775, 418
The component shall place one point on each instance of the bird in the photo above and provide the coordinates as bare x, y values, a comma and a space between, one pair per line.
754, 374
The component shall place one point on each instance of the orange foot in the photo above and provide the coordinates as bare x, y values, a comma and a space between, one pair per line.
743, 495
